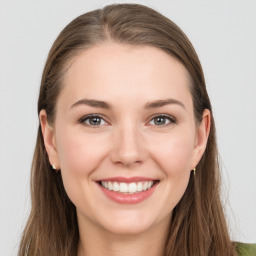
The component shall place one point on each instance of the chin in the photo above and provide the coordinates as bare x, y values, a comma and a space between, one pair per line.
129, 223
127, 229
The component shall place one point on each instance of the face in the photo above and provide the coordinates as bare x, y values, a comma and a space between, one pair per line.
125, 137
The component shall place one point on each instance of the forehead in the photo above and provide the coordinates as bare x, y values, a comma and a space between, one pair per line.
125, 71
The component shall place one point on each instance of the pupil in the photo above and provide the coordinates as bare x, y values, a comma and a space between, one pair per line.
94, 121
160, 120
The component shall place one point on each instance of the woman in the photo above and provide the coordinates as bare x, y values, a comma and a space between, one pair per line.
126, 157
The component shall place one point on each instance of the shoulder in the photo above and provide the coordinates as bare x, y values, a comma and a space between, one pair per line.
244, 249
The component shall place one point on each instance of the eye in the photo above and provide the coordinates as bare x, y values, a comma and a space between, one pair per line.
161, 120
93, 120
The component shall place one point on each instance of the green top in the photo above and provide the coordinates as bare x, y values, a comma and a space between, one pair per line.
246, 249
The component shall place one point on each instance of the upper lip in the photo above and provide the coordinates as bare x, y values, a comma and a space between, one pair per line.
128, 179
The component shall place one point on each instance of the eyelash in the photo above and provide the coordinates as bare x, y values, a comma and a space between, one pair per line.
87, 117
171, 119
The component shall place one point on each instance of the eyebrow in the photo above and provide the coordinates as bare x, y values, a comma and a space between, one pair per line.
161, 103
105, 105
92, 103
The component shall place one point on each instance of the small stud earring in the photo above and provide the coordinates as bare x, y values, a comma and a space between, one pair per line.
194, 171
53, 167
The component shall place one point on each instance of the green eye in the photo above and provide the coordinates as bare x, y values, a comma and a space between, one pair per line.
162, 120
93, 120
96, 120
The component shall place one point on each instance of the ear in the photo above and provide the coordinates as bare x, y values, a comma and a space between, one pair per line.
202, 134
49, 140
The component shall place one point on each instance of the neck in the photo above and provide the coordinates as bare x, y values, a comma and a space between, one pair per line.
97, 242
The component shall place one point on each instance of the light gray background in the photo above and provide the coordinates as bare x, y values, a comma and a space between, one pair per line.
224, 35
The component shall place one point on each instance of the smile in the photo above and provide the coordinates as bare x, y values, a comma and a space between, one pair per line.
127, 188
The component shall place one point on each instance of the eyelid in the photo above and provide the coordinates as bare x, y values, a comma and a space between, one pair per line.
171, 118
82, 120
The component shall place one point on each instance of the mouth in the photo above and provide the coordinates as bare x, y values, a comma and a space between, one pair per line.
128, 188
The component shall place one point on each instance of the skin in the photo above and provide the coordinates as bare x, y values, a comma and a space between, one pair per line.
127, 142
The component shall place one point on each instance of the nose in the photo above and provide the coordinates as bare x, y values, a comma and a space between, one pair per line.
128, 147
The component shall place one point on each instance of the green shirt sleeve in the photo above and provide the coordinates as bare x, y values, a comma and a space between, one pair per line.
246, 249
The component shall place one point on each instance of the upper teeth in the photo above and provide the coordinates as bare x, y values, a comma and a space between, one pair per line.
123, 187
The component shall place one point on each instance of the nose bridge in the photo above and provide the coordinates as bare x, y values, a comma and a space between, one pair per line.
128, 147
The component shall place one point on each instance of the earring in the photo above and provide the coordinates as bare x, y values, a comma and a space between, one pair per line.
53, 167
194, 171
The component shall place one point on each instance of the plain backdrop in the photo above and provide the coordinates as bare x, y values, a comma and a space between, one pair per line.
223, 33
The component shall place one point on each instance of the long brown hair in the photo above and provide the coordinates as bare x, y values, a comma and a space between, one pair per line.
198, 225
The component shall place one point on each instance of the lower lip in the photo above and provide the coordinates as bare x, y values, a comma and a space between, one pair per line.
128, 198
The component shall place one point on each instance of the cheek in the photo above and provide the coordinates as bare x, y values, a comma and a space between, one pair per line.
174, 158
174, 154
80, 154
